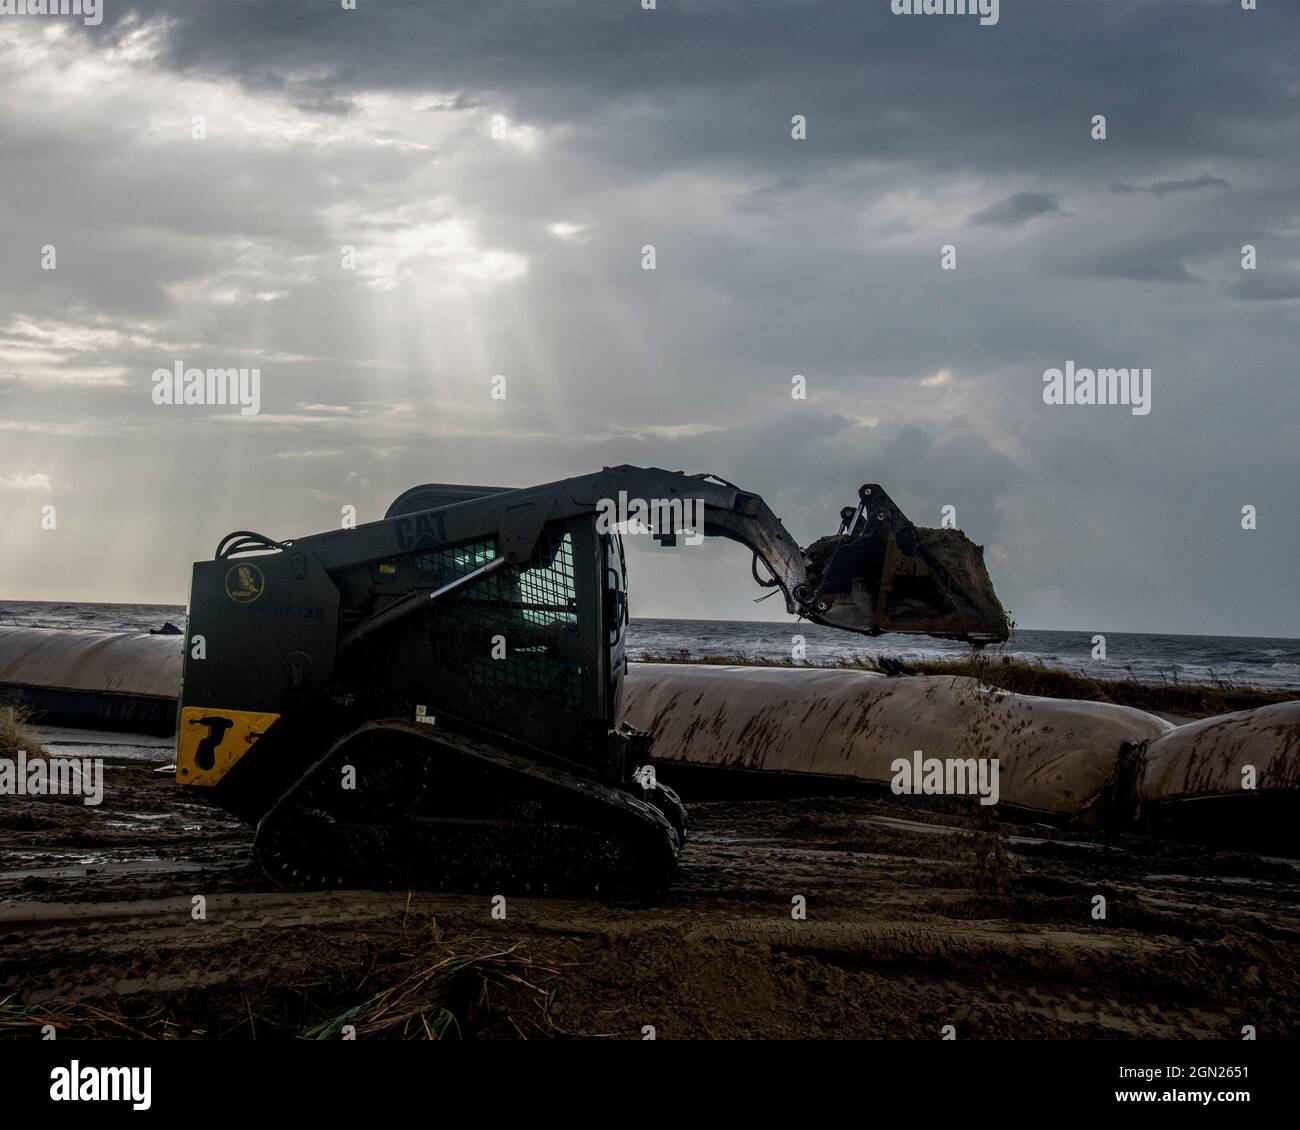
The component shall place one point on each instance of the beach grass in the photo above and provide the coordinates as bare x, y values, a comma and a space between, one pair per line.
15, 735
474, 988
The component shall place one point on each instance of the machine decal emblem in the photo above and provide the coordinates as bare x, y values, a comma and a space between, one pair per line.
245, 583
424, 531
210, 740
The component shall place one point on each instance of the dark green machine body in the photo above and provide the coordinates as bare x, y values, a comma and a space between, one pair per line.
516, 654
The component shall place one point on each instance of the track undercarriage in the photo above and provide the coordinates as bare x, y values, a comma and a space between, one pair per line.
397, 804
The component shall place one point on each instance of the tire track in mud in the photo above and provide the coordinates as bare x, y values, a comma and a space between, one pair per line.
903, 934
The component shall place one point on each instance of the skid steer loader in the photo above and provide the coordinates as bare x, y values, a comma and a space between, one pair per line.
430, 700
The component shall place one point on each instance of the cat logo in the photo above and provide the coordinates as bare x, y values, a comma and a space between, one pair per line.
245, 583
424, 531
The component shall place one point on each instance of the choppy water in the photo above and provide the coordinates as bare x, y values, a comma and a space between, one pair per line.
1243, 660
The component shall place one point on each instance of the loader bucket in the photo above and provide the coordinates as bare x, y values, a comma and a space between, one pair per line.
883, 574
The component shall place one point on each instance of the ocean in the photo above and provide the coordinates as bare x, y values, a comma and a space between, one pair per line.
1242, 660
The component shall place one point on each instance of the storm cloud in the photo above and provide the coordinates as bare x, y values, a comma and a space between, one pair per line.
383, 209
1018, 208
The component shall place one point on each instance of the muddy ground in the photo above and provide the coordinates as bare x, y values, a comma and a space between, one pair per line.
916, 919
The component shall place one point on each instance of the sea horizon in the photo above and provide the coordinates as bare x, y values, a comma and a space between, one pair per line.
710, 620
1267, 662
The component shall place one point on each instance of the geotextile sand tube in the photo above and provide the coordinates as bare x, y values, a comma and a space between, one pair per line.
1251, 750
120, 680
1095, 763
1055, 756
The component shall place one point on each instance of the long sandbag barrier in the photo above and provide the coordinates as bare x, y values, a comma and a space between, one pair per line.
1055, 756
1254, 750
114, 680
1236, 775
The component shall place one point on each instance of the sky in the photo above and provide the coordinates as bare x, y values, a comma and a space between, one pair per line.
199, 171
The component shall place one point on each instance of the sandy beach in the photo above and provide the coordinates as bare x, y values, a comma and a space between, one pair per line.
911, 924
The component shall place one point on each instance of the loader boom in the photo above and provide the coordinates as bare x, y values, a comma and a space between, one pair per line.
517, 517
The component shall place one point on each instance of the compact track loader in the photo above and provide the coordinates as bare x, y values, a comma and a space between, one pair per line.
431, 700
